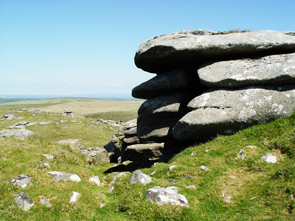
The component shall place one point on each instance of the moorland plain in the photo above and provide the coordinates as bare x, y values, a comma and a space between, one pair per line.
233, 189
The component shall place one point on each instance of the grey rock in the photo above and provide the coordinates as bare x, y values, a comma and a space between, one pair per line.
131, 140
96, 155
22, 180
205, 168
32, 110
75, 196
17, 133
23, 201
46, 164
131, 131
179, 49
215, 112
158, 115
48, 157
95, 179
191, 187
11, 117
144, 152
267, 70
64, 176
269, 158
111, 146
67, 113
171, 167
168, 82
45, 201
172, 181
139, 177
72, 142
166, 195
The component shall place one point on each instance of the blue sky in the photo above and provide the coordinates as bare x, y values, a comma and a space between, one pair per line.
70, 47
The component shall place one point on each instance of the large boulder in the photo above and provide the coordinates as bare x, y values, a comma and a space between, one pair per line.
225, 111
169, 51
143, 152
168, 82
158, 115
266, 70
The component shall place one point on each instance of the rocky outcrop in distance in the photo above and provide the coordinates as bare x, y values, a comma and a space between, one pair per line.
208, 83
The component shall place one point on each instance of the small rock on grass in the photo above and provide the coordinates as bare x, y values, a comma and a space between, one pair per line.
74, 197
22, 180
166, 195
64, 176
95, 179
269, 158
140, 177
48, 157
45, 201
23, 201
205, 168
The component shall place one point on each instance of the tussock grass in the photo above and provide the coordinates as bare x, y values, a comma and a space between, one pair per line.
255, 189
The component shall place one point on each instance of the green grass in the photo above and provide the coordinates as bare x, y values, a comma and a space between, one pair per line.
114, 115
259, 191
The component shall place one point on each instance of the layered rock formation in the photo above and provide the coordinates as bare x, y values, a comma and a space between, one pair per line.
210, 83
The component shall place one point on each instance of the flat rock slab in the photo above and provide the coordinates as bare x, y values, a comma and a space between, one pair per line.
64, 176
17, 133
23, 201
139, 177
144, 152
165, 195
269, 158
221, 111
178, 49
22, 180
73, 142
96, 155
267, 70
168, 82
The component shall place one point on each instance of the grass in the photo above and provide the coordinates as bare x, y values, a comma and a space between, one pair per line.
231, 31
256, 190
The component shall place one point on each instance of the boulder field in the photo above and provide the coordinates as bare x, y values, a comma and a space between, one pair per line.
207, 83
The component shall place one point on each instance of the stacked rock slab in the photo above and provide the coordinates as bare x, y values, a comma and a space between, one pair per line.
210, 83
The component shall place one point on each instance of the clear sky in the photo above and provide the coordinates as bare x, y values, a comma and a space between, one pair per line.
70, 47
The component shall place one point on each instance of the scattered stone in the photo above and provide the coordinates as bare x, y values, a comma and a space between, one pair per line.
205, 168
74, 197
23, 201
67, 113
241, 154
165, 195
17, 133
64, 176
233, 177
269, 158
72, 142
63, 121
48, 157
22, 180
95, 179
171, 167
45, 201
96, 155
191, 187
153, 173
46, 164
140, 177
